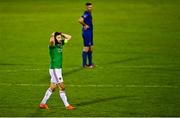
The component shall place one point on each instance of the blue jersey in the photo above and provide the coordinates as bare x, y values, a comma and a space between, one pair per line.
88, 20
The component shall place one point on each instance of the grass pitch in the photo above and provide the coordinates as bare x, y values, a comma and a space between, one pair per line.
137, 53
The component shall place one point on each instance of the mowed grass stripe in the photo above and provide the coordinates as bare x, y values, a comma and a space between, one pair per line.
98, 67
97, 85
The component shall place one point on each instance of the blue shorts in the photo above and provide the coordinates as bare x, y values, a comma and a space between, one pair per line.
88, 38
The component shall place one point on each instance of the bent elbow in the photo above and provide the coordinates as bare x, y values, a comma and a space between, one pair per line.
70, 37
80, 20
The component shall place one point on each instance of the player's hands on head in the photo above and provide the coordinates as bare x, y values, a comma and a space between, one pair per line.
53, 34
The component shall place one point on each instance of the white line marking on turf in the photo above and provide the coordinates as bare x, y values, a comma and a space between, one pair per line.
98, 67
97, 85
23, 70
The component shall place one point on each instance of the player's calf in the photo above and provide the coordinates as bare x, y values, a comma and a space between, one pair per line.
84, 56
62, 95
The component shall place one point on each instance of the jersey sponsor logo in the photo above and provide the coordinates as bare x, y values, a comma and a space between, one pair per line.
85, 15
60, 48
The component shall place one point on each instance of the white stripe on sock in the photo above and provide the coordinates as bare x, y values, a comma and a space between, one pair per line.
64, 98
46, 96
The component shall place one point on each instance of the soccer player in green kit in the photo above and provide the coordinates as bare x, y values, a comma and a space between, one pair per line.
56, 44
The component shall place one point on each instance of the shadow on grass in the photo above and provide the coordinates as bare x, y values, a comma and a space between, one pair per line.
41, 112
10, 64
100, 100
72, 71
123, 61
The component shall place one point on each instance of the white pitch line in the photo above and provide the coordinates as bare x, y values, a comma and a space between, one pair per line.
97, 85
23, 70
29, 69
98, 67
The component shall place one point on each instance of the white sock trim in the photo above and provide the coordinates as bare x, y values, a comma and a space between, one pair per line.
63, 97
46, 96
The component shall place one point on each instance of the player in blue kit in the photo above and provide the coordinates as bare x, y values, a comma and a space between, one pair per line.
87, 34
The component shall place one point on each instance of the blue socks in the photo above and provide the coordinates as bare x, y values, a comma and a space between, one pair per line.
84, 56
90, 57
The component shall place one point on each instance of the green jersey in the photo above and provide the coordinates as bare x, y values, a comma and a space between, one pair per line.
56, 56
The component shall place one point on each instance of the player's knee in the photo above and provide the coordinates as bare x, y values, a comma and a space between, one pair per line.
91, 48
86, 49
53, 87
63, 88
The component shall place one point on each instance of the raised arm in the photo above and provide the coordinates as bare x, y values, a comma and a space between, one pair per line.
66, 37
52, 40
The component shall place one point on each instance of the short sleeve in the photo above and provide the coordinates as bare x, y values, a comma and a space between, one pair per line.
85, 15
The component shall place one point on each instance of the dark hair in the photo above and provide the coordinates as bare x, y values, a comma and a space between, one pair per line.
88, 3
55, 34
